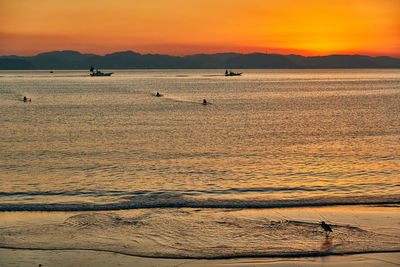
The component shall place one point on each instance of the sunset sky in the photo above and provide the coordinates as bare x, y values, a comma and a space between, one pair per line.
181, 27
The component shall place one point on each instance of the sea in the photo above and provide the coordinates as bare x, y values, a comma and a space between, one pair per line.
168, 176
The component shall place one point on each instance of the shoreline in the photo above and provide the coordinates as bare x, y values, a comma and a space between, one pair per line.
286, 256
383, 220
33, 257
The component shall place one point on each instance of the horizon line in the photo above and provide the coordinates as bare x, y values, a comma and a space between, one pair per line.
202, 53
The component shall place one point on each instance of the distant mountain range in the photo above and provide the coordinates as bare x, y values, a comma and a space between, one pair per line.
132, 60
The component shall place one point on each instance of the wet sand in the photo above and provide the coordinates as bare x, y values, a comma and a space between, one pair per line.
12, 257
384, 220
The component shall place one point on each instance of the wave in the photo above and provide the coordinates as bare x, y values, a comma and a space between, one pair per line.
284, 255
65, 193
151, 200
196, 235
169, 192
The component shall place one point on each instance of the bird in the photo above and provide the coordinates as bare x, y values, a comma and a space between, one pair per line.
326, 227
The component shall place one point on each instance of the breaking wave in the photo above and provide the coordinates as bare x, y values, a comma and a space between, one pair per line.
150, 200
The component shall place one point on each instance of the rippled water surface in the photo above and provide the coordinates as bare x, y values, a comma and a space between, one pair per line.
207, 233
267, 139
267, 135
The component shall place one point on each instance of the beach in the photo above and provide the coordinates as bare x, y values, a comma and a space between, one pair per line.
382, 220
88, 258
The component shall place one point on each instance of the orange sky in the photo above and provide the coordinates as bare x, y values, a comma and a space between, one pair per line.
180, 27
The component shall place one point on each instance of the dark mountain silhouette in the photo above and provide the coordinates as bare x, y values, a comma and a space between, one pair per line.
335, 61
132, 60
260, 61
60, 60
209, 61
386, 62
11, 63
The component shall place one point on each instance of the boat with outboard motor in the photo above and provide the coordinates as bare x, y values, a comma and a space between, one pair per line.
231, 73
99, 73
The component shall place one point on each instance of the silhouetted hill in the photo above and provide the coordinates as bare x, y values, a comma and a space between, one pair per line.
335, 61
132, 60
67, 55
10, 63
209, 61
61, 60
386, 62
260, 61
129, 59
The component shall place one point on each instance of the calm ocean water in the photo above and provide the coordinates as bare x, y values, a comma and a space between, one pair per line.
269, 138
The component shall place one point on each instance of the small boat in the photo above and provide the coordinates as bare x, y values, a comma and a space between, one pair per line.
99, 73
231, 73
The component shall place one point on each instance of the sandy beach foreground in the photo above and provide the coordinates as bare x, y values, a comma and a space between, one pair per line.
382, 220
12, 257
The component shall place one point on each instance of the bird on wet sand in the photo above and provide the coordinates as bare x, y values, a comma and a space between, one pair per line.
326, 227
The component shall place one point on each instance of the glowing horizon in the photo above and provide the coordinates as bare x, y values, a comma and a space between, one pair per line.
178, 27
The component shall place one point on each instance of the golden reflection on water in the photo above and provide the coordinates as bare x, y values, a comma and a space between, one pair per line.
275, 133
327, 243
205, 232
